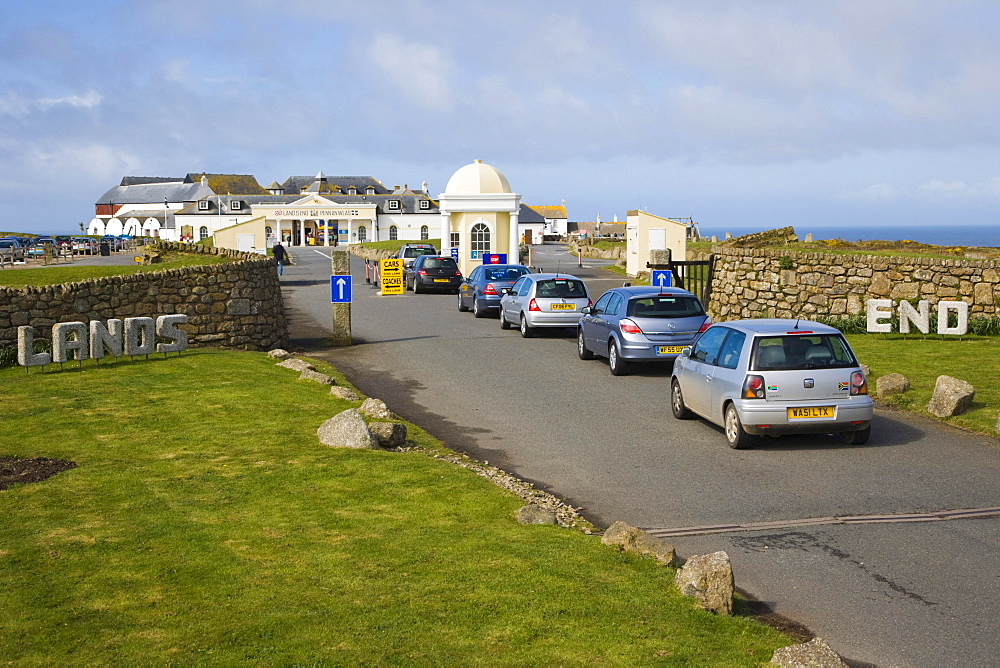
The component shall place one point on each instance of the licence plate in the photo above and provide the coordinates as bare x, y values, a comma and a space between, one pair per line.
810, 412
563, 307
441, 280
669, 350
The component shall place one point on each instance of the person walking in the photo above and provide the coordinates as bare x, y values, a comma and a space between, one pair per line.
279, 255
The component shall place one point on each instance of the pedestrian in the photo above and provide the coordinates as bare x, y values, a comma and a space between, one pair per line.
279, 255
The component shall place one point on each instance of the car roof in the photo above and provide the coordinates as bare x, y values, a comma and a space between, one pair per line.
652, 291
505, 266
539, 277
780, 326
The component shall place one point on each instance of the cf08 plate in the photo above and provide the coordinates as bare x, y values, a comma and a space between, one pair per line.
563, 307
813, 412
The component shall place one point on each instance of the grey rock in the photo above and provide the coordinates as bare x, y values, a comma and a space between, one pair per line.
344, 393
535, 514
376, 408
816, 652
632, 539
296, 365
279, 354
890, 384
709, 579
347, 430
316, 377
865, 369
388, 434
951, 397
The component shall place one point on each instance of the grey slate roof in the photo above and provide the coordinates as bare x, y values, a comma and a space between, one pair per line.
153, 193
529, 215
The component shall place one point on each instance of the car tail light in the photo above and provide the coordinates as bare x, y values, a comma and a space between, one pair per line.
533, 306
489, 289
858, 383
753, 387
590, 302
705, 325
458, 273
422, 272
629, 327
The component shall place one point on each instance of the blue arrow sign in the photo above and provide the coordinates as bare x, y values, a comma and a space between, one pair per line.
340, 289
661, 278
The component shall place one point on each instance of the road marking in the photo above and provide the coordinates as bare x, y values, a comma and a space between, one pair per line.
942, 515
316, 250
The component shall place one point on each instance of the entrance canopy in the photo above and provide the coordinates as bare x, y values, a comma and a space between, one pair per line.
318, 219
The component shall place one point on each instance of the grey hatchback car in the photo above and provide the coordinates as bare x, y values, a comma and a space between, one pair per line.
640, 324
773, 377
544, 300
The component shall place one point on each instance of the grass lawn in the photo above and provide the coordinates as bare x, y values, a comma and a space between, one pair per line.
975, 359
204, 523
398, 243
65, 273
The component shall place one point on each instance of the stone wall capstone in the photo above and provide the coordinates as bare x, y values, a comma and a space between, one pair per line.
236, 304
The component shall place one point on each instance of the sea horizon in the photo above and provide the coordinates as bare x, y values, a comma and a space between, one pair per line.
984, 236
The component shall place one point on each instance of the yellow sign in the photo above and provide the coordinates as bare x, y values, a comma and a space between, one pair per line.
391, 272
137, 258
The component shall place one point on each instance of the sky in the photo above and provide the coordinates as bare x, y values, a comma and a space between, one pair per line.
743, 115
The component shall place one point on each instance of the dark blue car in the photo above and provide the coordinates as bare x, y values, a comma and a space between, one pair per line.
485, 285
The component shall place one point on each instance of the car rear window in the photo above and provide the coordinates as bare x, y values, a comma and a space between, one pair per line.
506, 274
555, 288
663, 306
417, 252
440, 263
797, 351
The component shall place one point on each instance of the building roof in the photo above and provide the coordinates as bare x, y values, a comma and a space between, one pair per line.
528, 214
229, 184
155, 193
546, 211
477, 178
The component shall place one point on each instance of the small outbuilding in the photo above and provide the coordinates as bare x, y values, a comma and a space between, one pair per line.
645, 232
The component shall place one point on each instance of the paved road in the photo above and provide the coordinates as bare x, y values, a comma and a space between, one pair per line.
910, 594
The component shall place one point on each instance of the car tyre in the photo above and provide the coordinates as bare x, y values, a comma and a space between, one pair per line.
503, 320
416, 287
526, 330
859, 437
461, 307
581, 347
478, 310
737, 437
677, 406
618, 366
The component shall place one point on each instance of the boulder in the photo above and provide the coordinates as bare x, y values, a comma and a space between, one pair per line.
316, 377
535, 514
388, 434
376, 408
709, 579
279, 354
344, 393
890, 384
951, 397
347, 430
296, 364
632, 539
816, 652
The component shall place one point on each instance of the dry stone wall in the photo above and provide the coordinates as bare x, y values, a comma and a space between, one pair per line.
760, 282
236, 304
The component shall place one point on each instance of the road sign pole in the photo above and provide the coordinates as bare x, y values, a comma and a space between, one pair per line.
340, 265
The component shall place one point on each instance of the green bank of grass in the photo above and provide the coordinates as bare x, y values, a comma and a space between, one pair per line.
205, 524
66, 273
397, 244
975, 359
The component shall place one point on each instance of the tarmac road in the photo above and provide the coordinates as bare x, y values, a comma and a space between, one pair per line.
887, 593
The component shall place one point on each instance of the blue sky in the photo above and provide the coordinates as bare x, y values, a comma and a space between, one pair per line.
739, 114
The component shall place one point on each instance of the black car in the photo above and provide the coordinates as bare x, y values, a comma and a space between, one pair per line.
409, 252
432, 272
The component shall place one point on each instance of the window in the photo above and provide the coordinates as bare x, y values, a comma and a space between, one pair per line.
394, 205
707, 348
563, 288
729, 356
616, 303
454, 240
235, 205
202, 233
602, 304
480, 240
665, 307
362, 233
802, 352
370, 190
393, 233
425, 204
203, 205
268, 231
425, 233
520, 285
352, 191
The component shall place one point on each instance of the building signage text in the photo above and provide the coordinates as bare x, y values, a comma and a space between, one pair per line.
919, 316
131, 336
316, 213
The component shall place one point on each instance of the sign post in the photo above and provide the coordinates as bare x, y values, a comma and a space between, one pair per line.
340, 296
392, 276
661, 278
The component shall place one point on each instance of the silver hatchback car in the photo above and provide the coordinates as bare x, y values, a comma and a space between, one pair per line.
773, 377
544, 300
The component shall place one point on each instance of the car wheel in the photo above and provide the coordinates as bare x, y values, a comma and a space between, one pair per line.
407, 285
738, 438
526, 331
461, 306
503, 320
416, 287
859, 437
581, 348
477, 310
677, 406
618, 366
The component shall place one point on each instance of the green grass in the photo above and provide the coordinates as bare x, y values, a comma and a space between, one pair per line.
921, 359
19, 278
398, 243
205, 524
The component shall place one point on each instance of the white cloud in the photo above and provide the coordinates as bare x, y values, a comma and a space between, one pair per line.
873, 193
944, 186
419, 72
14, 104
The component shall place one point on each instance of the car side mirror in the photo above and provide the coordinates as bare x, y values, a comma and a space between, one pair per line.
586, 310
686, 351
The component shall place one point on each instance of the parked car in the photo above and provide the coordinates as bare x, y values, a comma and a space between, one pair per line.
11, 250
64, 242
432, 272
84, 246
410, 252
640, 324
485, 285
544, 300
773, 377
37, 249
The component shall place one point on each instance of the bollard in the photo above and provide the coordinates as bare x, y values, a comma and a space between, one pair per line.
340, 265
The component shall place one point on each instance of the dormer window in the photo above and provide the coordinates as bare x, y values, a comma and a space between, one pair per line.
425, 204
203, 205
236, 205
352, 191
394, 205
370, 190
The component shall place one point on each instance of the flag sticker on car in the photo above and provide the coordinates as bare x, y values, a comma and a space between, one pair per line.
772, 388
843, 386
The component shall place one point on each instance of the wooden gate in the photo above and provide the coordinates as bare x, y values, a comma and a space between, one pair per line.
695, 276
